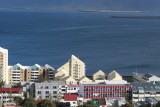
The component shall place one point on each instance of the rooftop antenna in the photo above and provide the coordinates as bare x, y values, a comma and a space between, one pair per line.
136, 70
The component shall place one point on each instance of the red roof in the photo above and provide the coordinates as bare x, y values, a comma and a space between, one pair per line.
38, 101
70, 97
10, 89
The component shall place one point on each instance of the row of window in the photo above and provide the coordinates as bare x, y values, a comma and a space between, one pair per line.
106, 94
47, 87
106, 89
146, 93
47, 92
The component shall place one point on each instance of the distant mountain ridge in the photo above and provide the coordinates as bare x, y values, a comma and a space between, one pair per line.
115, 5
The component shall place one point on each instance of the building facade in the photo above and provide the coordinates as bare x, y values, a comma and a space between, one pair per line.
106, 89
17, 73
74, 68
7, 94
144, 90
53, 90
4, 65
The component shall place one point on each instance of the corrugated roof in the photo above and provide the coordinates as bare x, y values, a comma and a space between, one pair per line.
10, 89
147, 87
70, 97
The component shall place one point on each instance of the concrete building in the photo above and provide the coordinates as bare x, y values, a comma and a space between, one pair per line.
4, 65
119, 88
17, 73
115, 101
114, 76
151, 78
53, 90
148, 77
99, 75
49, 72
84, 79
143, 90
7, 94
72, 89
69, 80
35, 73
71, 98
74, 68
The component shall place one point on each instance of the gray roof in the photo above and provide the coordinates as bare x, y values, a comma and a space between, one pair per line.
51, 82
146, 86
148, 75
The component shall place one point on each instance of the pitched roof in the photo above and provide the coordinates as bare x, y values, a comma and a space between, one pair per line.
70, 97
114, 76
148, 75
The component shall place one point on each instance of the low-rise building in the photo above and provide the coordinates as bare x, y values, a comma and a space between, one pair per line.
72, 99
148, 77
107, 89
72, 89
143, 90
7, 94
53, 90
99, 75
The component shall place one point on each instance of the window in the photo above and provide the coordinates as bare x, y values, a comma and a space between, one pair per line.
54, 87
54, 92
39, 92
46, 87
47, 96
47, 92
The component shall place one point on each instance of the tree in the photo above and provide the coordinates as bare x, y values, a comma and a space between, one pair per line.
128, 105
47, 103
17, 100
158, 104
1, 84
18, 85
145, 105
31, 93
29, 102
90, 104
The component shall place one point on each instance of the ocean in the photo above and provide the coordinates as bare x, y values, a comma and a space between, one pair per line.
50, 37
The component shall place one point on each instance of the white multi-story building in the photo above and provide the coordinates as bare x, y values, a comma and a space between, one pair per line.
4, 65
7, 94
74, 68
53, 90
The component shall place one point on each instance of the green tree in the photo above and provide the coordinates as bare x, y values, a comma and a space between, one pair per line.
31, 93
90, 104
47, 103
18, 85
29, 102
158, 104
128, 105
145, 105
1, 84
17, 100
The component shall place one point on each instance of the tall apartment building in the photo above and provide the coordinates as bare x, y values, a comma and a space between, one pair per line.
48, 72
17, 73
74, 68
35, 73
4, 65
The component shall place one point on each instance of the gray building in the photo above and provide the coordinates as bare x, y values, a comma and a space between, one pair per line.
53, 90
143, 90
